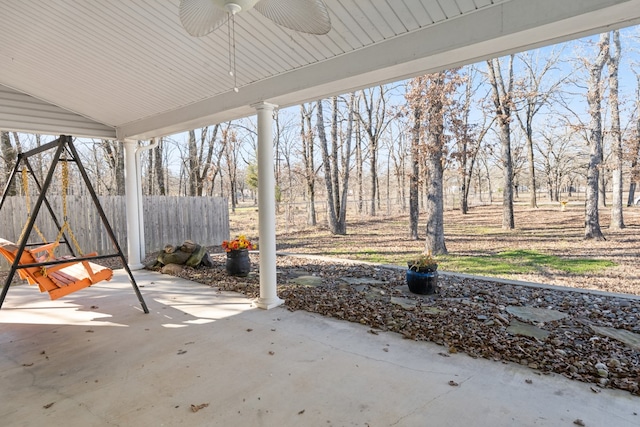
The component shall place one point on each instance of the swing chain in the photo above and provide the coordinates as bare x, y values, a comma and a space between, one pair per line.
25, 186
65, 225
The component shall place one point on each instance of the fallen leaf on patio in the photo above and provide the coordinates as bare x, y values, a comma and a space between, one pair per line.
579, 422
89, 330
196, 408
27, 364
301, 412
249, 330
93, 307
371, 331
453, 383
48, 405
271, 353
182, 351
528, 381
444, 354
385, 349
595, 390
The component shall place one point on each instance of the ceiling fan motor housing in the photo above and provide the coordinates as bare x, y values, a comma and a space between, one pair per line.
235, 6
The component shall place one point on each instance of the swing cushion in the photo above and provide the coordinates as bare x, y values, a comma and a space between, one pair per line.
59, 279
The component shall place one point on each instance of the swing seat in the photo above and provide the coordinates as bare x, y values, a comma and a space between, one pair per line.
59, 279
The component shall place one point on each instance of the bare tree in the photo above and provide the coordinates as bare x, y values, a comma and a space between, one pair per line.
613, 63
440, 89
414, 95
360, 159
199, 161
158, 166
560, 157
594, 99
398, 150
502, 100
532, 96
231, 153
468, 138
332, 159
114, 157
374, 122
633, 149
307, 136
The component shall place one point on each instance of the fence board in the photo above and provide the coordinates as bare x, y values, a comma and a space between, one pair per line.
168, 219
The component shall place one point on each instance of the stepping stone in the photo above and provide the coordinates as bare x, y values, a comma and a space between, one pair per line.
362, 281
534, 314
629, 338
298, 272
308, 281
406, 303
374, 295
518, 328
432, 310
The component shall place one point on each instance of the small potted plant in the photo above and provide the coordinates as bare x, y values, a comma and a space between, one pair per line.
422, 274
238, 263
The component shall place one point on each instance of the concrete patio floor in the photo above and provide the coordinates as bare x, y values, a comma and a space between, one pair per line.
94, 358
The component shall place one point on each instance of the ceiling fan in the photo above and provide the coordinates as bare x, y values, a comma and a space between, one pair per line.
201, 17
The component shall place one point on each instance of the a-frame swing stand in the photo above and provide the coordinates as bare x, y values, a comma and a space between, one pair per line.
30, 267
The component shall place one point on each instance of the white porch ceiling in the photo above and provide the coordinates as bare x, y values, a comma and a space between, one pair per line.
127, 69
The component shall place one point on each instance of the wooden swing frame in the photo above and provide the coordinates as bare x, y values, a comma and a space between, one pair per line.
23, 258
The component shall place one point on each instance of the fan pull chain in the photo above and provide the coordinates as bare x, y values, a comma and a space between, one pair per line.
231, 24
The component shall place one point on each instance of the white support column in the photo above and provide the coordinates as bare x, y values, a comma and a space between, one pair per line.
132, 205
139, 150
266, 208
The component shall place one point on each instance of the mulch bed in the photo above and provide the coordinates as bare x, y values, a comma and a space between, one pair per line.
466, 315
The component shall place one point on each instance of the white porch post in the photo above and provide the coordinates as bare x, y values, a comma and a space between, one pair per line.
266, 208
132, 205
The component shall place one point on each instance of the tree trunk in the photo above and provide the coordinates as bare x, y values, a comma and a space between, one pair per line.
594, 98
502, 101
346, 165
617, 222
602, 185
192, 163
414, 207
533, 202
435, 137
326, 164
306, 136
359, 170
9, 156
373, 154
634, 150
159, 170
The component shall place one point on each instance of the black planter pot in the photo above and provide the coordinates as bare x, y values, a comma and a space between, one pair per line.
238, 262
422, 283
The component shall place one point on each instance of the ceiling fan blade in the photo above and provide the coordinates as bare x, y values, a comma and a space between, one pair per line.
200, 17
307, 16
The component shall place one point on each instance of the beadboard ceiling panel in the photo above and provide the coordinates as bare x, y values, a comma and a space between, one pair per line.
129, 66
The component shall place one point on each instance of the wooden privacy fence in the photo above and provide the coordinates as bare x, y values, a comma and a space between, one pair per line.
167, 219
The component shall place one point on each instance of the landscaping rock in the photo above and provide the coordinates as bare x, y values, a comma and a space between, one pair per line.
173, 269
534, 314
312, 281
